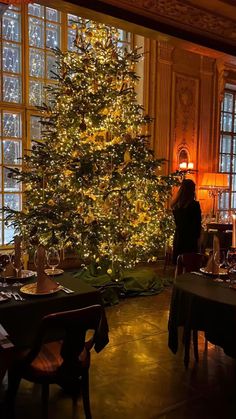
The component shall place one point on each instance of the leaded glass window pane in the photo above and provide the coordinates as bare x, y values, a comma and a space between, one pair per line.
228, 102
36, 63
233, 177
49, 96
233, 200
35, 93
51, 67
36, 32
11, 57
234, 145
11, 125
35, 128
10, 185
8, 234
225, 163
52, 14
12, 89
224, 200
12, 201
11, 26
52, 35
36, 10
72, 19
227, 122
71, 39
234, 164
225, 146
12, 152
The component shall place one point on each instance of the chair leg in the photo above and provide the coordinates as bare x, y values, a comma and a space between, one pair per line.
195, 345
85, 394
44, 399
13, 385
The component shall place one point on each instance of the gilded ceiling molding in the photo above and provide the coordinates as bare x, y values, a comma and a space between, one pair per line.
181, 13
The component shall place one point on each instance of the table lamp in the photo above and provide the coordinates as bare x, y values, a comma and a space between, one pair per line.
215, 184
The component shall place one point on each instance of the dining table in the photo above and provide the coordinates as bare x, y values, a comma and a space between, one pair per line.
199, 302
20, 319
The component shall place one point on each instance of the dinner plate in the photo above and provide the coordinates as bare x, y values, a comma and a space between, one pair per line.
222, 272
54, 272
25, 274
31, 289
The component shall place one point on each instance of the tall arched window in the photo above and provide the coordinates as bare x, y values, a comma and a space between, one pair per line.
227, 156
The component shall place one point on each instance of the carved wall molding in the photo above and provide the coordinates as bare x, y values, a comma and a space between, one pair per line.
165, 52
222, 78
207, 65
207, 26
186, 91
180, 12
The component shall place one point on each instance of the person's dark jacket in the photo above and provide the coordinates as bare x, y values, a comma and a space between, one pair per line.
188, 229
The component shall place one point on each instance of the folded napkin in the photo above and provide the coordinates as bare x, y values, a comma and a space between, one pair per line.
10, 269
213, 263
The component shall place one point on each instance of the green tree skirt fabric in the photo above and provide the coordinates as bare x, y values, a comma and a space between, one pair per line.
139, 281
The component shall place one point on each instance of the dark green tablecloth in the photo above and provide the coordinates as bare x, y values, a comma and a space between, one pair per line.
21, 319
202, 304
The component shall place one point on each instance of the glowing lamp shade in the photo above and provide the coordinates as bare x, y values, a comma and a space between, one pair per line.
215, 181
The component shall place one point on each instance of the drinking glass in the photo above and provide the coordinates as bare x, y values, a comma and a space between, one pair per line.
53, 258
231, 258
4, 261
17, 269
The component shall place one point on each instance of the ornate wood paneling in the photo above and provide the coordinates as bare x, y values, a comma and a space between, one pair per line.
179, 18
185, 116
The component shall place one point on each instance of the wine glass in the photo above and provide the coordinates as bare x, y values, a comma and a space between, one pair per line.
231, 263
17, 267
53, 258
4, 261
231, 258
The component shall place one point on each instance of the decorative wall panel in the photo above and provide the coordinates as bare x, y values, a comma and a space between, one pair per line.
185, 103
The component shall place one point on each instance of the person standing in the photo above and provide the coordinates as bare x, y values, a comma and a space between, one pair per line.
187, 216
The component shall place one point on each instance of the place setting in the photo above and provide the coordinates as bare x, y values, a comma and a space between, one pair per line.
45, 284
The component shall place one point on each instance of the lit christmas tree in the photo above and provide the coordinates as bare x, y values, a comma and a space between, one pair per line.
91, 183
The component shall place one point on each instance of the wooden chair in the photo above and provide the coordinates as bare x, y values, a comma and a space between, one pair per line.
188, 262
6, 352
64, 362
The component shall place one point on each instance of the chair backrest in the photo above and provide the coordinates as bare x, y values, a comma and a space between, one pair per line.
188, 262
71, 327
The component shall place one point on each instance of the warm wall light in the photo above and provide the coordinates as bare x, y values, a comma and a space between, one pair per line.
183, 165
190, 165
215, 184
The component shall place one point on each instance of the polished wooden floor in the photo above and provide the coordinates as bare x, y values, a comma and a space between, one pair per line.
137, 377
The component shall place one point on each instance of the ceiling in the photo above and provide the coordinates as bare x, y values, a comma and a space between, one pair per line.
203, 26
